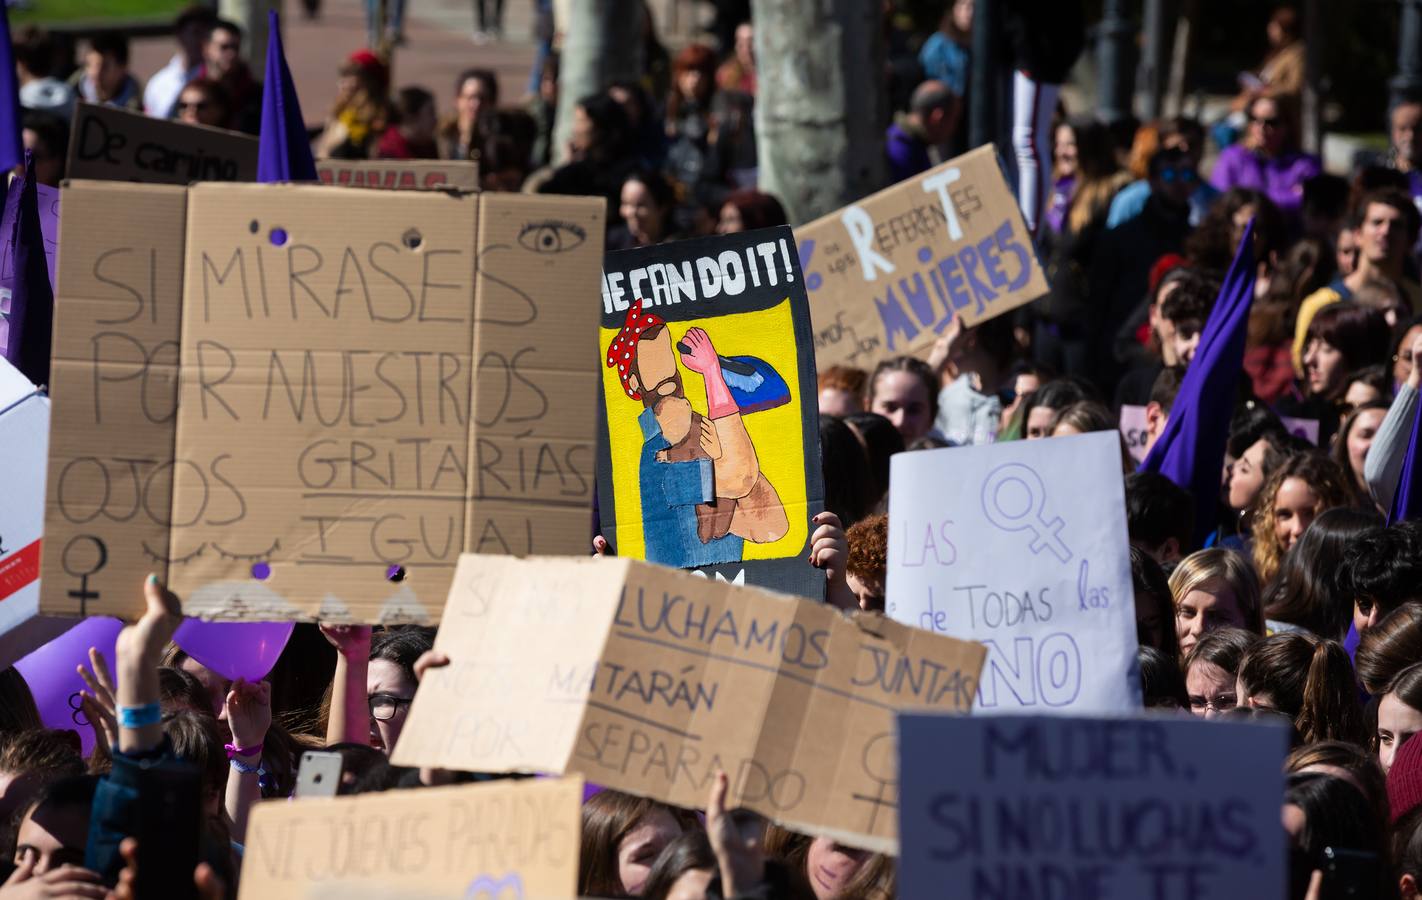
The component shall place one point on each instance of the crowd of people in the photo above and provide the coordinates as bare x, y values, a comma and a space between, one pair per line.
1302, 603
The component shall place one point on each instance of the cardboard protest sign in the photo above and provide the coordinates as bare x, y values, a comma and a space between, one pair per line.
49, 227
887, 274
647, 680
24, 431
328, 453
710, 458
1069, 807
1133, 431
115, 144
499, 839
1021, 546
400, 174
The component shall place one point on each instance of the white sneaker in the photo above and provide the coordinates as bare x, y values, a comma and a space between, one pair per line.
481, 37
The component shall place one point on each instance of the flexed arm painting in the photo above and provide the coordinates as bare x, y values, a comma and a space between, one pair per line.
702, 490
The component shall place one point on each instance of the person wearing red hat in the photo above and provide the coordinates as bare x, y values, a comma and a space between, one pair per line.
361, 111
703, 493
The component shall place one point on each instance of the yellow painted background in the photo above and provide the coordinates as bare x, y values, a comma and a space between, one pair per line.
776, 433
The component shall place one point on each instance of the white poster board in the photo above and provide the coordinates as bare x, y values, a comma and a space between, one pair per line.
1049, 806
1021, 546
24, 443
1133, 431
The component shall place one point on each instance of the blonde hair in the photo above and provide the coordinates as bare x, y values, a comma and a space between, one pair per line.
1322, 475
1203, 568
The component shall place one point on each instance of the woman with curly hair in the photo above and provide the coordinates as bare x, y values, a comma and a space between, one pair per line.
1295, 494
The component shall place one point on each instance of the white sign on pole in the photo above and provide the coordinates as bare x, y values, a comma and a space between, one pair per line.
1021, 546
24, 438
1050, 806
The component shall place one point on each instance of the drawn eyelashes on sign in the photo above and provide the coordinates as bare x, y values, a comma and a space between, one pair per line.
172, 560
551, 236
261, 556
249, 557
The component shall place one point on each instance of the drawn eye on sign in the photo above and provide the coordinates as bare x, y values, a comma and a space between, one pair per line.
551, 236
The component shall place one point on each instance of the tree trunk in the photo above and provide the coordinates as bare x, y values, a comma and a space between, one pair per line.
251, 16
821, 106
601, 44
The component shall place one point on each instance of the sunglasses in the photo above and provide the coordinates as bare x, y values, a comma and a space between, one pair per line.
198, 105
1271, 122
1183, 175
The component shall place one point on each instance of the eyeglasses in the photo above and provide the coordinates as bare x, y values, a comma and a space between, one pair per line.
1181, 174
196, 105
1217, 703
1270, 122
383, 707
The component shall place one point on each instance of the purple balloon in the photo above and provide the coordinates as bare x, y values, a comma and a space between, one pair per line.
51, 672
234, 649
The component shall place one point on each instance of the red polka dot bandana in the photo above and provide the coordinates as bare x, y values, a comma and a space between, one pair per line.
623, 352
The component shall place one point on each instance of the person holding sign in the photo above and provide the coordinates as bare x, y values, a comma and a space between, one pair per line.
699, 472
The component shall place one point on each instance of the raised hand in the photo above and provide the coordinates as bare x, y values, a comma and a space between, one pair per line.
349, 640
700, 355
249, 712
97, 703
66, 881
144, 640
739, 854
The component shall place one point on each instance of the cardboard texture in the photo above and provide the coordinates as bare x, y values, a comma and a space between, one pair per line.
710, 452
118, 145
1070, 807
400, 174
113, 384
1022, 546
24, 430
887, 274
501, 839
327, 455
647, 680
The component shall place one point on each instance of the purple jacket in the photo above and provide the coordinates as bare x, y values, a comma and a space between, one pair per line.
1281, 179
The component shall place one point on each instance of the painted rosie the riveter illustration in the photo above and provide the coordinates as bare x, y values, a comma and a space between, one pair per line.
710, 459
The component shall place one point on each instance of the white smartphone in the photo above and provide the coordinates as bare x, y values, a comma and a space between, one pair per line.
319, 774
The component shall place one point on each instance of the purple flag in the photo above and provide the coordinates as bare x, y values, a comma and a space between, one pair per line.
284, 151
31, 300
12, 147
1191, 449
1407, 499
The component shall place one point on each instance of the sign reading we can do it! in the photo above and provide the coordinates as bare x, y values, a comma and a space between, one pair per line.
886, 275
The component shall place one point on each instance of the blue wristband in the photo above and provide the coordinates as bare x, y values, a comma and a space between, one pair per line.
246, 769
140, 716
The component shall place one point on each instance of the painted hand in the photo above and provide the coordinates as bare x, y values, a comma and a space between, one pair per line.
710, 440
700, 355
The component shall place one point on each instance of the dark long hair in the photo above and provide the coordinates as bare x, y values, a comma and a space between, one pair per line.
1306, 591
1389, 647
1336, 814
1308, 678
608, 816
850, 489
690, 851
